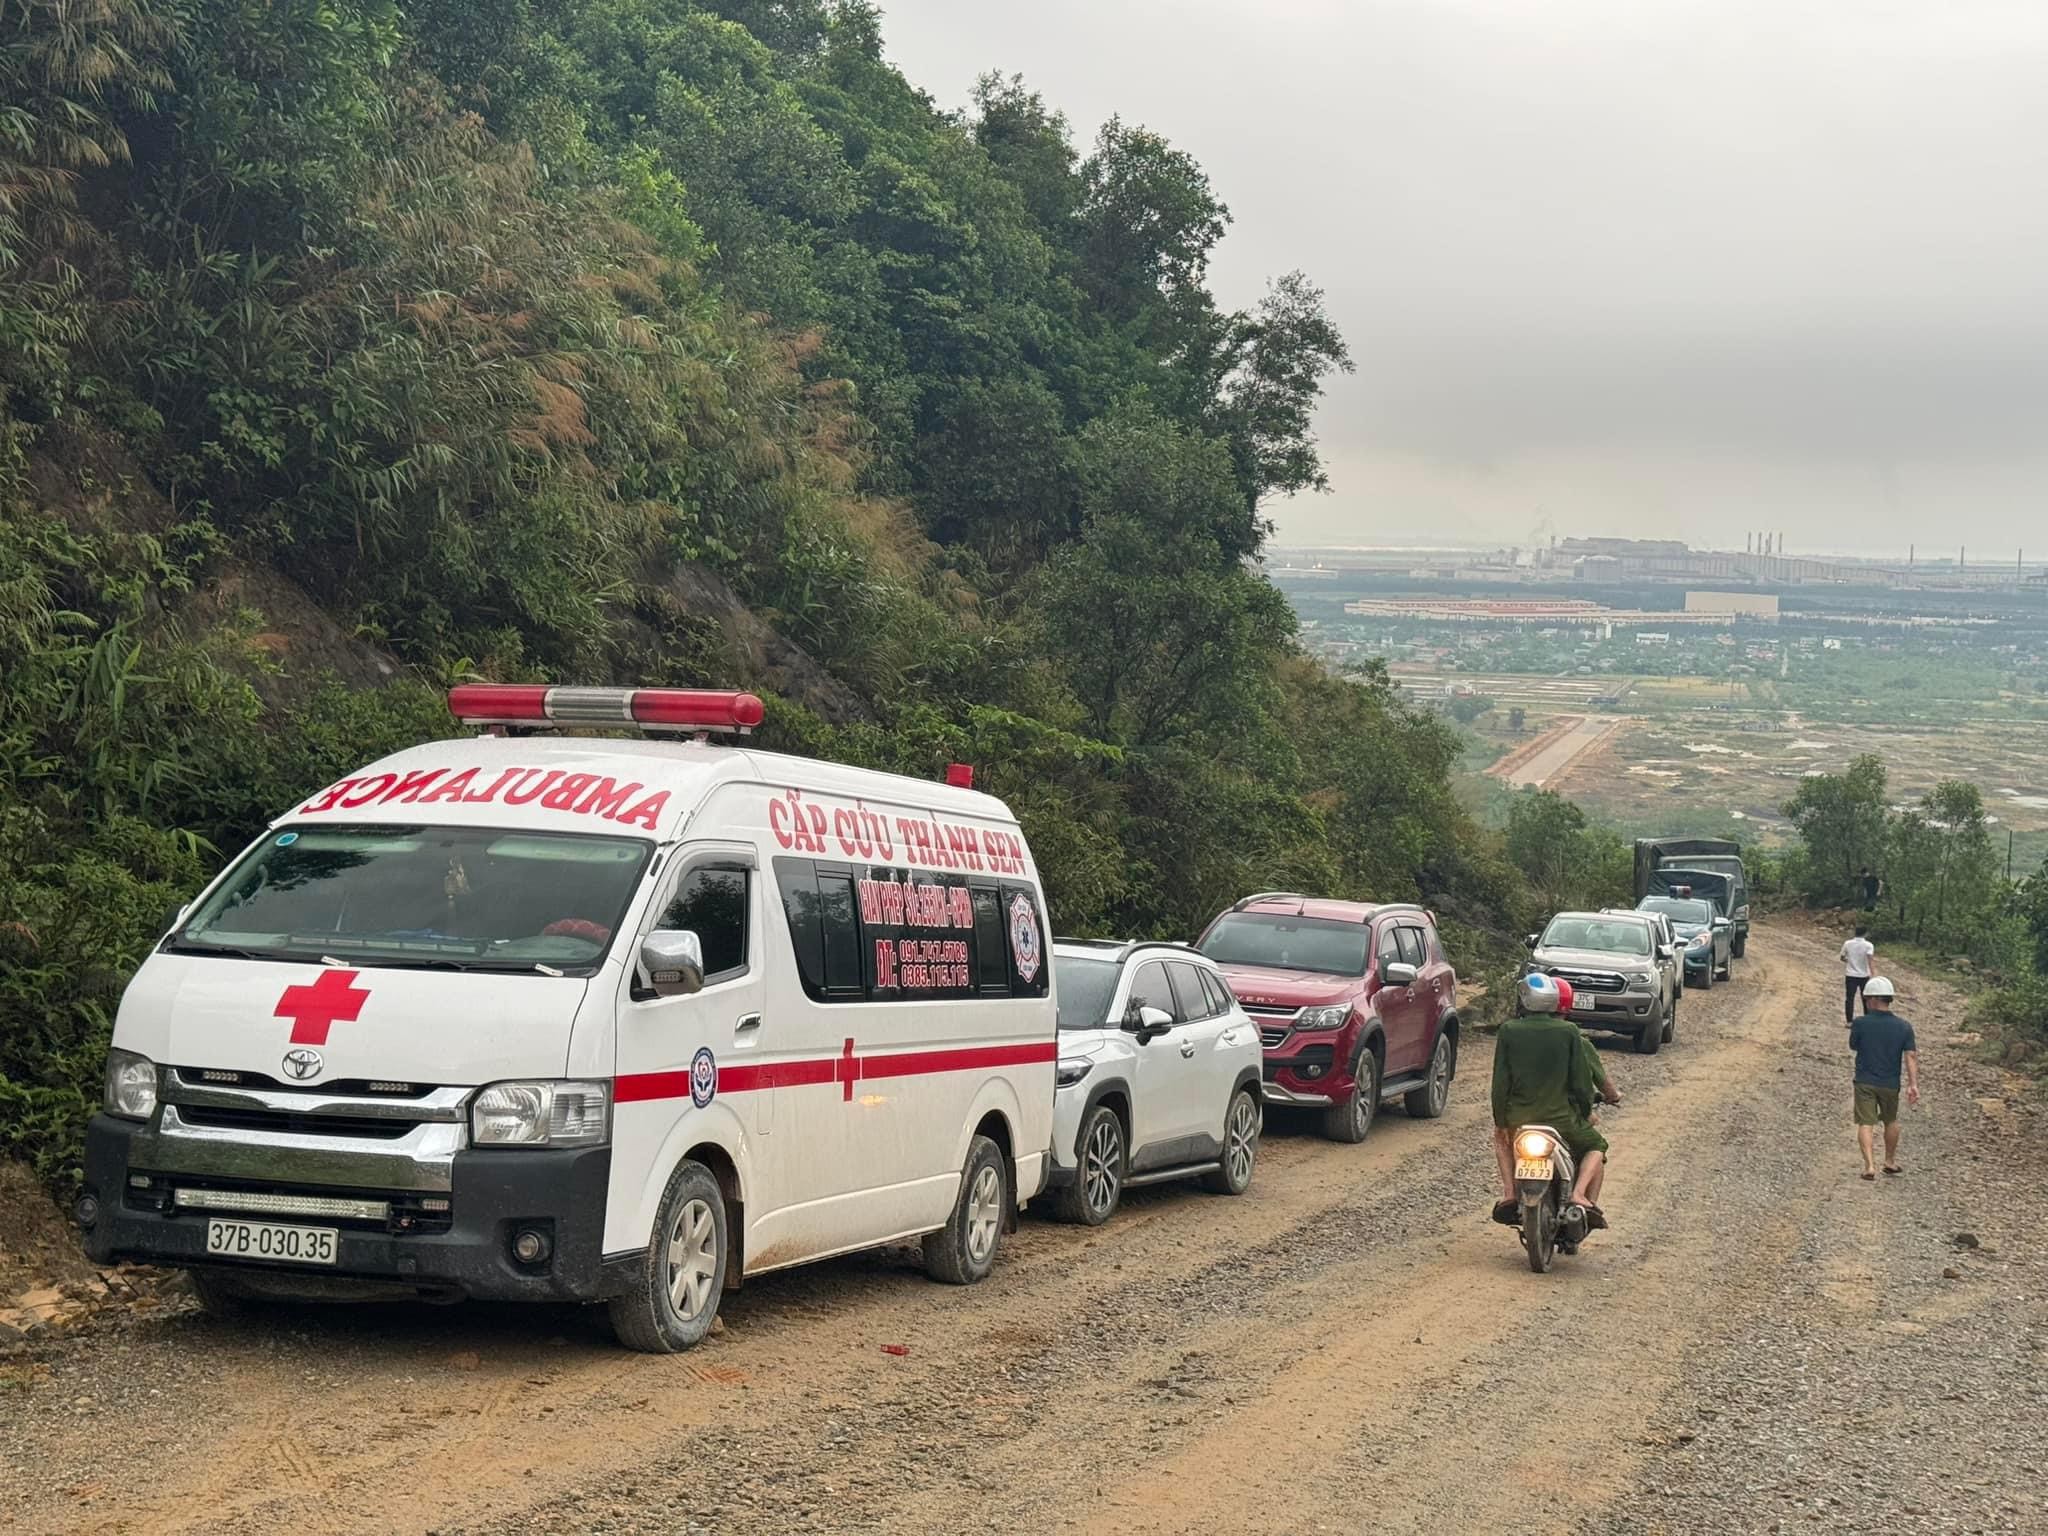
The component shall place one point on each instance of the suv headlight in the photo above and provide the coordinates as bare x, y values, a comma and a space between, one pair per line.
542, 1114
1640, 982
1330, 1016
1071, 1070
1699, 941
130, 1090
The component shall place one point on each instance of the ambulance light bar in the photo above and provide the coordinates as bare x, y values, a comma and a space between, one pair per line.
539, 706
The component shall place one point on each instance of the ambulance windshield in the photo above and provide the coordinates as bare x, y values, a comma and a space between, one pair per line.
452, 898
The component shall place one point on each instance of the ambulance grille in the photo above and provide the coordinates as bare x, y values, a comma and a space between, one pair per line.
280, 1122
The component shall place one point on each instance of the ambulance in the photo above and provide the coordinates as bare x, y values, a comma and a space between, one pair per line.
586, 1018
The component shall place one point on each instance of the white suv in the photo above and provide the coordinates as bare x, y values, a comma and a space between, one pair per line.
1158, 1076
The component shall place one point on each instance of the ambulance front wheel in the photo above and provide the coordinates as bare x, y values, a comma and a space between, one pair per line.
221, 1294
964, 1249
674, 1299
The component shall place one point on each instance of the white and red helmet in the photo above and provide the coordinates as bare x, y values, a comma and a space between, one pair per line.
1545, 994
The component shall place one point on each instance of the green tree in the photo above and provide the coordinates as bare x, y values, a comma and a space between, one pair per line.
1565, 858
2032, 903
1468, 708
1158, 629
1841, 818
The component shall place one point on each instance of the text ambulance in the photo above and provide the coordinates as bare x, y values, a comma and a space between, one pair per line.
586, 1018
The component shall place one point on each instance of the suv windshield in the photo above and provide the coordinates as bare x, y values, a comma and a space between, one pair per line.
1615, 936
1085, 986
443, 897
1678, 909
1289, 943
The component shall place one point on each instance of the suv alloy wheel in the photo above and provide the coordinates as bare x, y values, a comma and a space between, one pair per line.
1351, 1120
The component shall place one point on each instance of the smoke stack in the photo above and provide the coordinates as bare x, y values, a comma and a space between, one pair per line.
1749, 543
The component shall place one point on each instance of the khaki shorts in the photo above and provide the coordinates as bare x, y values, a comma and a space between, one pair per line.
1876, 1106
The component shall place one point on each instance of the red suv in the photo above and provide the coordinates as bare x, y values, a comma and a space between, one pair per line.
1354, 1001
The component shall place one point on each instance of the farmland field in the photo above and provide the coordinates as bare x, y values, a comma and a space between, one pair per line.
1678, 762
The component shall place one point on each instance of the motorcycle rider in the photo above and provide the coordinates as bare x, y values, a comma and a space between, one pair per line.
1546, 1072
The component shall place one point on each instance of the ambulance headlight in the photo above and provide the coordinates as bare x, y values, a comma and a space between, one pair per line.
542, 1114
131, 1086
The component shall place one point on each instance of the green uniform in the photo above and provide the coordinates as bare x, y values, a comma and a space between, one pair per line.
1546, 1072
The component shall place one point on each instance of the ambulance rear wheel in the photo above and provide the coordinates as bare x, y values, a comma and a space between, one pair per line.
964, 1249
674, 1299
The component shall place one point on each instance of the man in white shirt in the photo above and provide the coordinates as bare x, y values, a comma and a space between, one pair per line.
1857, 957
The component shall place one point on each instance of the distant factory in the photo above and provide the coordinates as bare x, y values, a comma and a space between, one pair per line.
1762, 562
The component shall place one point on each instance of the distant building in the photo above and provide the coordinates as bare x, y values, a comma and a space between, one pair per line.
1756, 605
1623, 549
1652, 637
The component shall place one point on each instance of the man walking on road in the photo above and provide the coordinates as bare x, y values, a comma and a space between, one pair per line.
1857, 955
1883, 1042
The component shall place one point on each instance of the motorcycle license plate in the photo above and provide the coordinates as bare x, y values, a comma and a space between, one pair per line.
1532, 1168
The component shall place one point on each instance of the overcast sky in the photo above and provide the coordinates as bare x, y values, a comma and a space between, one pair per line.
1607, 266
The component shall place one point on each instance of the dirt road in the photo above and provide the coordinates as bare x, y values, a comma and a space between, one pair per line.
1764, 1342
1548, 764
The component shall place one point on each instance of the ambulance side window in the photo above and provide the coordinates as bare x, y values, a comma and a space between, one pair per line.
711, 902
992, 971
824, 929
840, 921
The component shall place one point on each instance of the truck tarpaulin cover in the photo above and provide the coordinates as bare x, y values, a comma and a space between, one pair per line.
1653, 852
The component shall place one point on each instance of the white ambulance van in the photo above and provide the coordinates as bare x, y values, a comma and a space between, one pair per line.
537, 1016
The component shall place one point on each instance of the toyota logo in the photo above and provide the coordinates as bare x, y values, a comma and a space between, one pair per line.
301, 1064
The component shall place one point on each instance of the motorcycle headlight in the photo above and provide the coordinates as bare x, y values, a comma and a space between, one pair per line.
1330, 1017
541, 1114
1533, 1144
1071, 1070
130, 1089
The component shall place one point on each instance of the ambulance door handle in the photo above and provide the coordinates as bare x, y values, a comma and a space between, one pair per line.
748, 1021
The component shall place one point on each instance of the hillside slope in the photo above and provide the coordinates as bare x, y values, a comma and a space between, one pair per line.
348, 348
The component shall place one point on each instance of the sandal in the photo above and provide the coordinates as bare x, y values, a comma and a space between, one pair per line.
1596, 1219
1894, 1171
1871, 1176
1508, 1212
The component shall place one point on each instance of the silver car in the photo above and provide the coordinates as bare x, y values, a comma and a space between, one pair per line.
1620, 979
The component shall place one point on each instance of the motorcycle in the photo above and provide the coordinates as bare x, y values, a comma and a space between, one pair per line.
1552, 1222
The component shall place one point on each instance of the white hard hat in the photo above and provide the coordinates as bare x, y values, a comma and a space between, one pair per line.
1878, 986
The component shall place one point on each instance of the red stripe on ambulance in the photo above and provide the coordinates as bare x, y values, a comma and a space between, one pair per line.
846, 1068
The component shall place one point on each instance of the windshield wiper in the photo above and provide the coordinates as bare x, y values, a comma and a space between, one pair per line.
228, 951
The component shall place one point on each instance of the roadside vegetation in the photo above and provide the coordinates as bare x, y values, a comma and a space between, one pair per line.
349, 349
1946, 892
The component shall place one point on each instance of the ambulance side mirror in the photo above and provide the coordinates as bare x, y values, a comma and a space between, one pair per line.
673, 959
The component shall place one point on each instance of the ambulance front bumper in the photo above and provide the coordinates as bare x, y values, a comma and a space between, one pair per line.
451, 1231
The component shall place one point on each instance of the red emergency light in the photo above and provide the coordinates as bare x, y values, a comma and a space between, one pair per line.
540, 706
960, 775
